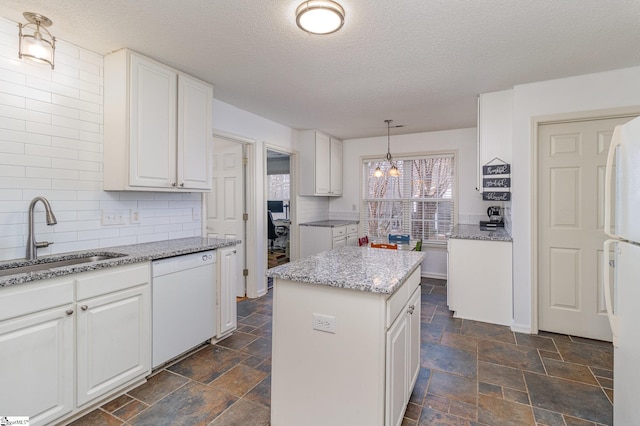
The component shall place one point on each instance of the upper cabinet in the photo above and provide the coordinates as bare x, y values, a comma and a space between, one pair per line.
320, 164
157, 126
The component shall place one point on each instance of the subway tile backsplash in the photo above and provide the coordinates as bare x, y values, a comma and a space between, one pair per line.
51, 144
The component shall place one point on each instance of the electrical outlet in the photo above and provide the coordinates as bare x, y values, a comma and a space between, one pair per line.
324, 323
135, 217
114, 217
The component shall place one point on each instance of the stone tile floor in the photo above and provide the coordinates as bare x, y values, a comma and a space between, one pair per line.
472, 373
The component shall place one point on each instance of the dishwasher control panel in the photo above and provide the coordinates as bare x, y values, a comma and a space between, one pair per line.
183, 262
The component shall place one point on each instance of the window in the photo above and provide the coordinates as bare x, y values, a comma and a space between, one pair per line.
278, 187
421, 202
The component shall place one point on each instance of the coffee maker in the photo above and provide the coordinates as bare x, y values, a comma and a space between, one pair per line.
495, 218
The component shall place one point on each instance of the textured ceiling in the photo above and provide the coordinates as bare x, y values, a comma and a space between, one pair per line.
419, 62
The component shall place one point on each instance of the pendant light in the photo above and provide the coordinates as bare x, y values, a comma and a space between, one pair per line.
35, 41
393, 170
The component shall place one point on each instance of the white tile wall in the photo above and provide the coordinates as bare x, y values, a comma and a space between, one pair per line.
51, 145
311, 209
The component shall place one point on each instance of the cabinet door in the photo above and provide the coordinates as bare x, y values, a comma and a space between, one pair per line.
336, 167
339, 242
153, 124
352, 240
113, 341
323, 164
36, 365
413, 343
194, 133
228, 259
396, 374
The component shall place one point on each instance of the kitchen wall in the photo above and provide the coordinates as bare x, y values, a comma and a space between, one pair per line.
51, 145
471, 208
586, 93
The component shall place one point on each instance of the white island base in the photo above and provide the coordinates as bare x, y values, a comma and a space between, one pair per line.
360, 371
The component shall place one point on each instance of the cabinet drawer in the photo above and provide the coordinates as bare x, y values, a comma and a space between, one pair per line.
339, 231
105, 281
399, 299
352, 229
25, 299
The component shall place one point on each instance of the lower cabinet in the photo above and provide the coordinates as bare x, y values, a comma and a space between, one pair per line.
479, 282
358, 370
403, 359
315, 239
94, 326
227, 281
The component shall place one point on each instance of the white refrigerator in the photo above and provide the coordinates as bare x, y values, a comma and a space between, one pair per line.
623, 165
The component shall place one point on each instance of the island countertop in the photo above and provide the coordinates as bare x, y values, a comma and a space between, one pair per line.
329, 223
356, 268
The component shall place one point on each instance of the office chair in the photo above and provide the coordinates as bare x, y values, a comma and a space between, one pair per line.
272, 230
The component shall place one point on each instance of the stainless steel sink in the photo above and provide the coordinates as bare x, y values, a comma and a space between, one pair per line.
44, 264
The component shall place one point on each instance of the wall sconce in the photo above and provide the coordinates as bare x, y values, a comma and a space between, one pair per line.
36, 42
320, 16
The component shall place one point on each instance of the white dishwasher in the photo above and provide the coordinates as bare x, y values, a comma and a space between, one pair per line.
184, 304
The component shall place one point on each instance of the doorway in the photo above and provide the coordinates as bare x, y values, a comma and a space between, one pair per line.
571, 162
226, 204
278, 195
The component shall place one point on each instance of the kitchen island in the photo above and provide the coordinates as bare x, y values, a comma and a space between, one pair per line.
346, 337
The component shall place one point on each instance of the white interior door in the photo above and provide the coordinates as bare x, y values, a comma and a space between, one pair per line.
225, 202
571, 165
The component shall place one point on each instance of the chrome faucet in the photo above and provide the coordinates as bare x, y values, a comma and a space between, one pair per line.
32, 244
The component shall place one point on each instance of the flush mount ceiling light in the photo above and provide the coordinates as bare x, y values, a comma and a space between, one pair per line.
35, 41
393, 170
320, 16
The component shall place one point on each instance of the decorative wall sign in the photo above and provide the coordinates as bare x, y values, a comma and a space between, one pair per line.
496, 196
496, 181
497, 169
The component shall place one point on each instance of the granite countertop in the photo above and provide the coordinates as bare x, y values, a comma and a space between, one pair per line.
330, 223
473, 232
133, 253
356, 268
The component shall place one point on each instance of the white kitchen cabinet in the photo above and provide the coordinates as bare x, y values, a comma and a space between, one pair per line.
352, 235
314, 239
113, 330
227, 279
36, 360
321, 162
479, 282
373, 354
157, 126
64, 346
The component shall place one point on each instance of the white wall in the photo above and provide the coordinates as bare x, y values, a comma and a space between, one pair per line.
471, 208
51, 145
606, 90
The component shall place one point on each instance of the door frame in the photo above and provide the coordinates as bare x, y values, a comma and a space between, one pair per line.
250, 258
601, 114
293, 192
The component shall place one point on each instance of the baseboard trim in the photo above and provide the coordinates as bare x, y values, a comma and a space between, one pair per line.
434, 275
521, 328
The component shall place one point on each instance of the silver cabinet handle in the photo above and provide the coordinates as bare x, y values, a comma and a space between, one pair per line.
234, 251
410, 309
182, 185
174, 184
69, 312
84, 307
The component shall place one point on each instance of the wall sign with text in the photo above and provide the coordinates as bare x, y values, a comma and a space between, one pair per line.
496, 181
